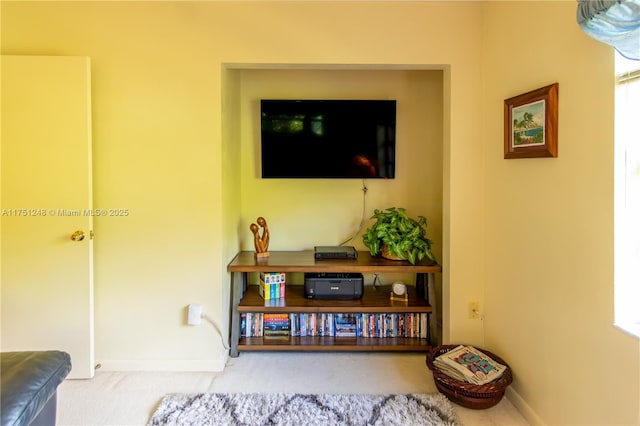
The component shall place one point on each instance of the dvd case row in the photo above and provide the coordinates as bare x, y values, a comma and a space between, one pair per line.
258, 324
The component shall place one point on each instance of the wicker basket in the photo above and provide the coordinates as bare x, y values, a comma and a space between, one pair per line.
384, 252
467, 394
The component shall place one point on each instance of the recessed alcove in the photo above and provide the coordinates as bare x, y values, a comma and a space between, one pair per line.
307, 212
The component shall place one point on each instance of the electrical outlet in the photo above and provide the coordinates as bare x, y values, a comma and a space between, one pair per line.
194, 315
474, 310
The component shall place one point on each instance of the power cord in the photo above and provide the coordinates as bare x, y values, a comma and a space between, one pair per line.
364, 190
376, 280
215, 326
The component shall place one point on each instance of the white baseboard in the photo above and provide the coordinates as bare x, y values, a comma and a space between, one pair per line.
189, 365
522, 406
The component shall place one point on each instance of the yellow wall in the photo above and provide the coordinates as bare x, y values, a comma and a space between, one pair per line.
549, 225
166, 134
172, 83
332, 208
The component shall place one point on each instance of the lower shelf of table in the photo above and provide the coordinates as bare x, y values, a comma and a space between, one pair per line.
396, 344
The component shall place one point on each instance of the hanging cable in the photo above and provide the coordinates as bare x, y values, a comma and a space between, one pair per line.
364, 209
215, 326
377, 280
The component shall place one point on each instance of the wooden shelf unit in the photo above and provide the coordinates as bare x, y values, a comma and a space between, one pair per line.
245, 298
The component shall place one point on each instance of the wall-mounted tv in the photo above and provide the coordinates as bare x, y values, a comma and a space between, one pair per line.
328, 138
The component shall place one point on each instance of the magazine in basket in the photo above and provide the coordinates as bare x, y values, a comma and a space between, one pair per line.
468, 364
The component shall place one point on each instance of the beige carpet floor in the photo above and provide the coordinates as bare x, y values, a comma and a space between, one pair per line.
130, 398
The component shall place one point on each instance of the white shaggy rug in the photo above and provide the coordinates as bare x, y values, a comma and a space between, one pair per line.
253, 409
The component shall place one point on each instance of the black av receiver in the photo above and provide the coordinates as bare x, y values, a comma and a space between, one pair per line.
332, 285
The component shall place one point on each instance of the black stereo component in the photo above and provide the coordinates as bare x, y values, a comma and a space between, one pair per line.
325, 285
335, 252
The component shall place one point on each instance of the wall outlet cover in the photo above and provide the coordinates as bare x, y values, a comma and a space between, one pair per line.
194, 316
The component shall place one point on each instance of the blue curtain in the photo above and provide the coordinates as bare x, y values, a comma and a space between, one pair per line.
615, 22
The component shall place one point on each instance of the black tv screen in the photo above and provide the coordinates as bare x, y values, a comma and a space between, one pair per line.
328, 138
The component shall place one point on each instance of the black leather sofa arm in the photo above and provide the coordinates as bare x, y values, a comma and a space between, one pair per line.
29, 384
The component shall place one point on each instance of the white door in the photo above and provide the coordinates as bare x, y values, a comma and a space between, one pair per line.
47, 277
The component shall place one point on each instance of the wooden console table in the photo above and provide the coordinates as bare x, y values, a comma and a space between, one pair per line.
375, 300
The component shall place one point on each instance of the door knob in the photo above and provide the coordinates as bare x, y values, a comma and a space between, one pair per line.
77, 236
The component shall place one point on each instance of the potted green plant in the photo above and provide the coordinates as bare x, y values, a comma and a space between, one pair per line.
397, 236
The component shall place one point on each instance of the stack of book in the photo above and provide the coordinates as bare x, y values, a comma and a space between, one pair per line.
251, 324
275, 325
272, 285
258, 324
410, 324
346, 325
468, 364
394, 325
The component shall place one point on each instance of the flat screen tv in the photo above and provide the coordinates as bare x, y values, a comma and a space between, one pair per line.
328, 138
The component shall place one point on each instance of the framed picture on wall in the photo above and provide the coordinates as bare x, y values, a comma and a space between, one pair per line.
531, 124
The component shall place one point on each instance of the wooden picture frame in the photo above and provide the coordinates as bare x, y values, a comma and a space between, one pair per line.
531, 124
